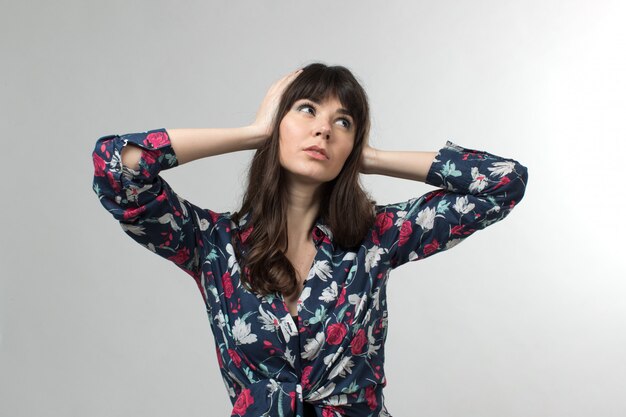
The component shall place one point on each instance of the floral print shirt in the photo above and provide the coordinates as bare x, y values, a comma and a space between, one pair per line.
333, 358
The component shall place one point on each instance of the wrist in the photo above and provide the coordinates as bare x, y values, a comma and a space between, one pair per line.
256, 135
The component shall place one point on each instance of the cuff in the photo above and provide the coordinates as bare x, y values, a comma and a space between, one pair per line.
157, 154
450, 167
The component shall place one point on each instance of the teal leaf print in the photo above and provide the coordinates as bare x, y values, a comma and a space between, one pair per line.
211, 256
320, 315
449, 170
443, 206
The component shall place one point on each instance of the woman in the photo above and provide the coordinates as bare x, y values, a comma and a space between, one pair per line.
295, 281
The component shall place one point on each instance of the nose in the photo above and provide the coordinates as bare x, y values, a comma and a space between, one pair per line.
323, 131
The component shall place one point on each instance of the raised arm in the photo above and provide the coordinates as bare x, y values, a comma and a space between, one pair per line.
129, 186
477, 189
410, 165
127, 181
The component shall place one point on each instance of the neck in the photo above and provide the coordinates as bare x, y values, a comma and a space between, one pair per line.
302, 210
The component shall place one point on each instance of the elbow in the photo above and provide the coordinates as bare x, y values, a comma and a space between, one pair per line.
518, 189
104, 167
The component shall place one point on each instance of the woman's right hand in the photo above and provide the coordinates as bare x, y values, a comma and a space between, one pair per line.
267, 111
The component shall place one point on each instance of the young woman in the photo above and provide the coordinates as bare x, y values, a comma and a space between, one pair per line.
295, 281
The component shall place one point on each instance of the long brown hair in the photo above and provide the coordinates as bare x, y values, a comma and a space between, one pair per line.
345, 206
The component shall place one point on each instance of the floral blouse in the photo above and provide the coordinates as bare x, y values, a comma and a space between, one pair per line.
333, 358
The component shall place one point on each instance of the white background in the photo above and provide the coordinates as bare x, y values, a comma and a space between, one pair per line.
526, 318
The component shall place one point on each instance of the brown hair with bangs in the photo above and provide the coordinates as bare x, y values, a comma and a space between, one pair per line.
345, 206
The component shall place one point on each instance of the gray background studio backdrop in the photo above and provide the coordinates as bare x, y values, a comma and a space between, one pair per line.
527, 318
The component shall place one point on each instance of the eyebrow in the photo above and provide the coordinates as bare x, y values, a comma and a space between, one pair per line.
339, 110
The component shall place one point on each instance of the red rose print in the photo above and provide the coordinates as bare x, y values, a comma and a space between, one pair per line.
358, 342
375, 239
235, 357
370, 396
246, 233
181, 256
306, 374
149, 157
214, 215
503, 181
429, 196
335, 333
99, 165
114, 184
292, 394
383, 222
131, 213
332, 411
342, 296
227, 283
244, 400
156, 139
457, 229
431, 247
405, 232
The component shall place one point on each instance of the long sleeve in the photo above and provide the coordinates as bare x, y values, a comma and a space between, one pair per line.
477, 189
145, 205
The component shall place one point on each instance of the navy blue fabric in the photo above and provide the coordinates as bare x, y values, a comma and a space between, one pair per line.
333, 362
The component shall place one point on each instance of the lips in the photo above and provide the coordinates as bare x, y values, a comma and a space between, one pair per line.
318, 150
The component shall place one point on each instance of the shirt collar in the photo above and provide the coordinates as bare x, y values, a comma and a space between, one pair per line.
319, 232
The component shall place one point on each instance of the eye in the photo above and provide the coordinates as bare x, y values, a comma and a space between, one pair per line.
302, 106
348, 123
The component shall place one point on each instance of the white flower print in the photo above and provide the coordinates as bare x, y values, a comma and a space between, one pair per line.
116, 164
372, 347
232, 261
312, 346
330, 359
132, 192
219, 318
375, 300
400, 218
479, 181
358, 301
349, 256
452, 243
272, 386
329, 293
344, 365
133, 228
303, 296
322, 269
202, 223
337, 399
290, 358
461, 205
272, 323
322, 392
268, 319
241, 332
183, 205
501, 168
372, 257
413, 256
169, 218
426, 218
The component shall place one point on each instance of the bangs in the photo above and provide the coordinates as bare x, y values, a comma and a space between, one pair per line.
320, 84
